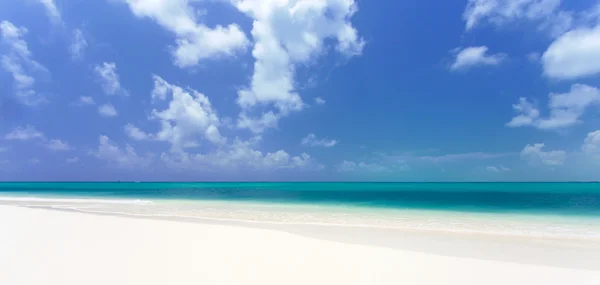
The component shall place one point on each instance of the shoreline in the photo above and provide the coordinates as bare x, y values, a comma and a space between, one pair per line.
528, 225
56, 247
548, 251
258, 223
513, 225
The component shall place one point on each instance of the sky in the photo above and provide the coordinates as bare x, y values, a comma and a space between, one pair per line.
300, 90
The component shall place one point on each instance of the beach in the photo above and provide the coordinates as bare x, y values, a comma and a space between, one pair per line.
41, 246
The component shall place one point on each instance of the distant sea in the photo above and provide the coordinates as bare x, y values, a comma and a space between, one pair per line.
569, 210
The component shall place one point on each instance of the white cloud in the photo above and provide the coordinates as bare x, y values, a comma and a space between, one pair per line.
190, 116
72, 159
107, 110
462, 156
58, 145
533, 56
591, 144
319, 101
528, 114
497, 169
474, 56
195, 41
558, 23
25, 133
477, 10
492, 169
125, 158
190, 119
161, 89
78, 44
3, 149
34, 161
287, 33
573, 55
19, 63
109, 78
267, 120
500, 12
312, 140
536, 155
565, 109
351, 166
29, 132
51, 11
84, 100
135, 133
240, 154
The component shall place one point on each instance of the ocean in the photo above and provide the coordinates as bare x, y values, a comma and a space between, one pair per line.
560, 210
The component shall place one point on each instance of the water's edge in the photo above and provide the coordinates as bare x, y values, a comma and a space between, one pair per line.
564, 253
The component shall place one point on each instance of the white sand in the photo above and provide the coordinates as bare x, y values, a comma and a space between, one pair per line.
51, 247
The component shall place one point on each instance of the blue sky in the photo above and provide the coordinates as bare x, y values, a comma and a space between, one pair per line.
470, 90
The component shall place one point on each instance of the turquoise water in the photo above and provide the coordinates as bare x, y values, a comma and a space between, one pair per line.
539, 198
564, 210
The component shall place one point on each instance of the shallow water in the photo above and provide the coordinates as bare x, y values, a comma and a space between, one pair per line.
564, 210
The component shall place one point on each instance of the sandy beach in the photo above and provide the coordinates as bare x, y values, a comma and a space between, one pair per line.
39, 246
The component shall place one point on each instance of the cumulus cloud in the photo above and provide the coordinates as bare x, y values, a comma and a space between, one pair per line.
573, 55
312, 140
29, 132
107, 110
58, 145
109, 78
19, 63
240, 154
84, 100
527, 114
268, 120
135, 133
591, 144
474, 56
188, 118
536, 155
319, 101
161, 89
545, 13
194, 41
124, 158
287, 33
78, 44
51, 11
565, 109
25, 133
